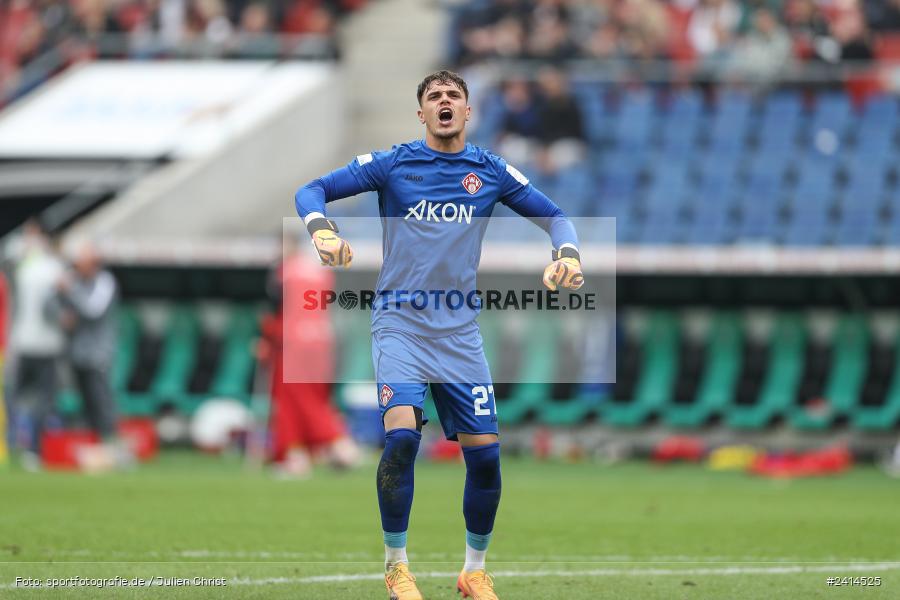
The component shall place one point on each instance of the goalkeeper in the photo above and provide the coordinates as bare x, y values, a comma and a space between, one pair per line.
435, 197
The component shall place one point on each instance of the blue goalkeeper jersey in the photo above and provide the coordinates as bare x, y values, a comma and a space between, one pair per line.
434, 209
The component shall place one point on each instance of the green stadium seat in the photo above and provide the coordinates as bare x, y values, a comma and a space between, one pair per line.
536, 371
719, 376
886, 415
177, 360
237, 361
781, 379
654, 386
567, 412
126, 347
848, 368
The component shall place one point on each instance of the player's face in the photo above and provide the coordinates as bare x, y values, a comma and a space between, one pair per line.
444, 111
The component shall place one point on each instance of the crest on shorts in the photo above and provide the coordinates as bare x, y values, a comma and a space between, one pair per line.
472, 183
386, 394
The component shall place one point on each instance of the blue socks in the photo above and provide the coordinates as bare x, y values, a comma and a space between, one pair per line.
395, 482
482, 493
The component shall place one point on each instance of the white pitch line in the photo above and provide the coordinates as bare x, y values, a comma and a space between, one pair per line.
431, 557
722, 571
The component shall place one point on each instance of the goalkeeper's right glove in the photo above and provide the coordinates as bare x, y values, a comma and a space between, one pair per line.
333, 251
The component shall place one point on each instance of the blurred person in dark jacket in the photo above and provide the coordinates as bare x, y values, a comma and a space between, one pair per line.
88, 295
560, 124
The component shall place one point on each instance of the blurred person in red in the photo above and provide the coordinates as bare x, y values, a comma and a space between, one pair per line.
299, 346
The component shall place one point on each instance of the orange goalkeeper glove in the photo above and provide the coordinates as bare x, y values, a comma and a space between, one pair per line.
565, 270
333, 251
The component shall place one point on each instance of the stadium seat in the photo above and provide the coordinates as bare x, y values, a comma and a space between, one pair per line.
653, 389
845, 377
832, 113
883, 413
729, 124
177, 359
534, 374
126, 348
778, 127
635, 120
681, 124
780, 379
717, 383
234, 372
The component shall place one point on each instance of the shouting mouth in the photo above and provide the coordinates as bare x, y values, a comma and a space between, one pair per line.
445, 116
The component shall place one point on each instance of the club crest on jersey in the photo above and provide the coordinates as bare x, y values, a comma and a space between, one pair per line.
472, 183
386, 394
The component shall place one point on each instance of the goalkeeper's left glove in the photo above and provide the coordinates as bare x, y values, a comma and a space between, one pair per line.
333, 251
565, 270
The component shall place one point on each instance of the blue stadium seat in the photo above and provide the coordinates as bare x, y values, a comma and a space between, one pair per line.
711, 222
807, 228
857, 228
815, 182
833, 112
719, 170
729, 123
619, 174
681, 122
780, 120
759, 216
634, 123
892, 230
875, 141
881, 111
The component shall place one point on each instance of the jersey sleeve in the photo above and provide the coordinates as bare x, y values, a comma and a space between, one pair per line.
365, 173
528, 201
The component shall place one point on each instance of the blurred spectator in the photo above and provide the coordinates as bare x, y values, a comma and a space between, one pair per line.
520, 124
765, 52
36, 340
713, 26
88, 297
254, 39
208, 26
809, 28
645, 28
550, 36
68, 32
883, 15
560, 126
852, 34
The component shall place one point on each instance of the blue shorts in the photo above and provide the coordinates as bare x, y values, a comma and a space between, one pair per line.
455, 368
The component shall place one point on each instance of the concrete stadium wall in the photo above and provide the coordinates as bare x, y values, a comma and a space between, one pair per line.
242, 190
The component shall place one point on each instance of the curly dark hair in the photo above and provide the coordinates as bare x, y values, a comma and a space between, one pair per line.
442, 77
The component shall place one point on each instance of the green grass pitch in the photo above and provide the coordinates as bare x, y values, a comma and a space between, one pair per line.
565, 531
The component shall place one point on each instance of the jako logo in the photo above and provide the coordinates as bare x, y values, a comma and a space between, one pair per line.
441, 211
